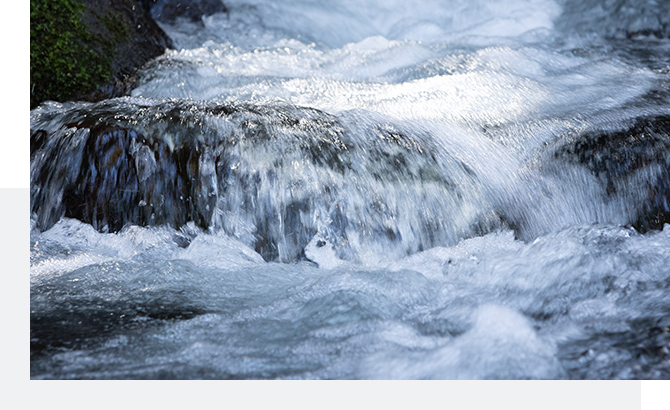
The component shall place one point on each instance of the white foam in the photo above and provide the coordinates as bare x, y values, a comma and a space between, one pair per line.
320, 251
220, 252
501, 344
426, 20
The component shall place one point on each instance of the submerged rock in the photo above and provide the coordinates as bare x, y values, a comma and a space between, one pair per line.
168, 11
630, 19
617, 158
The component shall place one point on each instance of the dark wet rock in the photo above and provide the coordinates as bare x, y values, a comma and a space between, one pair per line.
629, 19
641, 353
116, 164
89, 50
613, 155
116, 180
653, 219
136, 39
616, 156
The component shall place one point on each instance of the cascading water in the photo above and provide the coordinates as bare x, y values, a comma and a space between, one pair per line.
435, 189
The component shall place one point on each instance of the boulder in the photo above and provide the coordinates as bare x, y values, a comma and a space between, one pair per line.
616, 157
89, 50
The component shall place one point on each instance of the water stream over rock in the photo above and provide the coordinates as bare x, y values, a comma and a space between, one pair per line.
452, 189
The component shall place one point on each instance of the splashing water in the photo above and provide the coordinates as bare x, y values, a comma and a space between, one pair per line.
451, 190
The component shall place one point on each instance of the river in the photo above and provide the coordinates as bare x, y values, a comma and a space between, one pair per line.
365, 190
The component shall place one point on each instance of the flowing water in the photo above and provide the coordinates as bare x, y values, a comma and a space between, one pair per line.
365, 189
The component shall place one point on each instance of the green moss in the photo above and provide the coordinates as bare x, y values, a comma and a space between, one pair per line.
117, 24
63, 64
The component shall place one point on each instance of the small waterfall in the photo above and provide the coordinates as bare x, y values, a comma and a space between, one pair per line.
271, 176
275, 175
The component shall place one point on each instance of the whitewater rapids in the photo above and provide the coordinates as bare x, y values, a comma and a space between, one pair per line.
365, 190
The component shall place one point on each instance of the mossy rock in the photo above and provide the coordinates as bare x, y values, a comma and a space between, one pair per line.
88, 50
